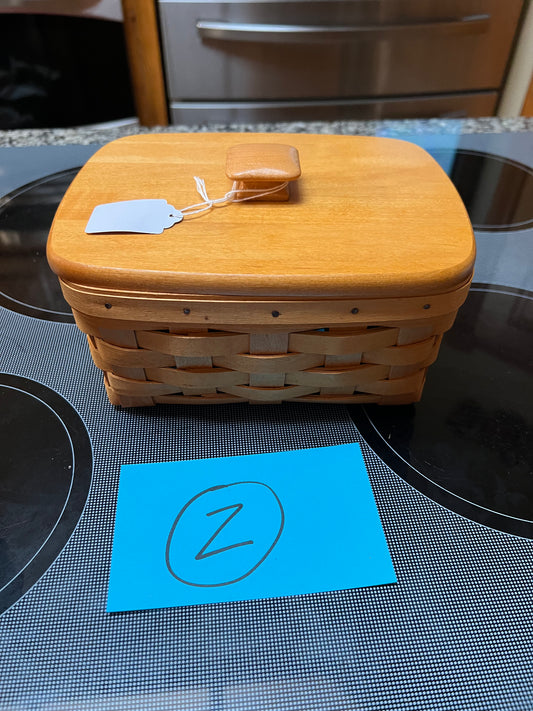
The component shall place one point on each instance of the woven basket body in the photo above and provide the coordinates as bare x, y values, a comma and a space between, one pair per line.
315, 331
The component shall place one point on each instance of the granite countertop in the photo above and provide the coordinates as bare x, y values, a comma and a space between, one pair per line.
104, 133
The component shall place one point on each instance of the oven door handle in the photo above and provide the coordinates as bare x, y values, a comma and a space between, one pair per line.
254, 32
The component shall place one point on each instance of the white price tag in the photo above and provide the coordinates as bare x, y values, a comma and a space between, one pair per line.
143, 216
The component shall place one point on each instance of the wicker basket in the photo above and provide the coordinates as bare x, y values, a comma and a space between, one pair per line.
267, 337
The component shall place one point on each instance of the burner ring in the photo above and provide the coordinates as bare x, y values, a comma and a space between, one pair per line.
45, 483
467, 444
27, 284
505, 201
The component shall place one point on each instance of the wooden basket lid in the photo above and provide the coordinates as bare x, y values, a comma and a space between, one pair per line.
368, 217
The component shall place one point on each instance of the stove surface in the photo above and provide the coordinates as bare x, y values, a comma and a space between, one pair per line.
452, 476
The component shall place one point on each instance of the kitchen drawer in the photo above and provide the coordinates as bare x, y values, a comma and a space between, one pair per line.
240, 51
482, 103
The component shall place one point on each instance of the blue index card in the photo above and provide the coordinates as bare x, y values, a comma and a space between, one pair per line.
241, 528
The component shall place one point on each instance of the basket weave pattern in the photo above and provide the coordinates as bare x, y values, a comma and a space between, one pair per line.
341, 294
383, 364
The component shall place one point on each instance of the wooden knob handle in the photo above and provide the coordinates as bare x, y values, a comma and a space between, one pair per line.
263, 166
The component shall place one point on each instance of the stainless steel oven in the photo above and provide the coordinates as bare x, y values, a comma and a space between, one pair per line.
333, 59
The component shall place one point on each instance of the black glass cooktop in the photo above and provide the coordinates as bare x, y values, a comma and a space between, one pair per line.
452, 476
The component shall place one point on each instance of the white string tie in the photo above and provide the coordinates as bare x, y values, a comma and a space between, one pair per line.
208, 203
